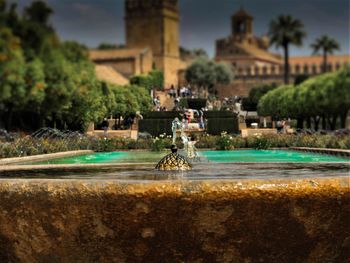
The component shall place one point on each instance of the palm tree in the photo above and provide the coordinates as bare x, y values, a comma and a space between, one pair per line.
327, 45
284, 31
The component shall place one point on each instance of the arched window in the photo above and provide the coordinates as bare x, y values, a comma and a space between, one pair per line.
330, 67
264, 71
306, 69
272, 70
248, 71
337, 66
280, 70
314, 69
240, 27
297, 69
256, 71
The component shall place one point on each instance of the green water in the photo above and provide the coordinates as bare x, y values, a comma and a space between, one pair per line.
261, 156
236, 156
109, 157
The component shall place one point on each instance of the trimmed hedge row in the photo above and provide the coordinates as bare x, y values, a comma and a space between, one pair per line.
196, 103
158, 122
216, 126
155, 127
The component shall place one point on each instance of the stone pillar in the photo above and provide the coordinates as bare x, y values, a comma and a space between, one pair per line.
91, 127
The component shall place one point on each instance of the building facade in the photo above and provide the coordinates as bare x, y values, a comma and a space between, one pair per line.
155, 25
126, 62
254, 65
247, 55
152, 41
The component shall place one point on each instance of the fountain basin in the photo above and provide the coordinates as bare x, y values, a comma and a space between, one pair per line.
99, 208
233, 156
277, 220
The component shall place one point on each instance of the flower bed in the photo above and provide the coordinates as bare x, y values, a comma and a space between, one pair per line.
27, 146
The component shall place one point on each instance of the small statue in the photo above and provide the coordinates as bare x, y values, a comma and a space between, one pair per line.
173, 161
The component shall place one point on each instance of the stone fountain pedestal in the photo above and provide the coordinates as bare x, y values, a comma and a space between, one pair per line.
175, 221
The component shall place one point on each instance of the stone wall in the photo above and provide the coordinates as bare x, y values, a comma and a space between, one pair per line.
155, 25
242, 86
247, 221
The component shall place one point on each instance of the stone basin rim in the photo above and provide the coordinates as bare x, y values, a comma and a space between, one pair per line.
339, 182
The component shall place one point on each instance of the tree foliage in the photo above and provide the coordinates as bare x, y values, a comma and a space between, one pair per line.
327, 46
153, 80
205, 73
130, 99
106, 46
46, 82
251, 102
283, 32
193, 53
323, 97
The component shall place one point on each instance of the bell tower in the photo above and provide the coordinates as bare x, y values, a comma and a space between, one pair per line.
155, 24
242, 24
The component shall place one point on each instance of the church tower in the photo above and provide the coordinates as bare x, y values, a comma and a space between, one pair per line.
155, 24
242, 25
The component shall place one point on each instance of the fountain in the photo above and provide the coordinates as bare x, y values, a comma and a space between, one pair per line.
38, 140
190, 149
216, 212
175, 161
46, 140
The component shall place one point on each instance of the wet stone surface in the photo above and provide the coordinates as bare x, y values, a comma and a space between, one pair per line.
285, 220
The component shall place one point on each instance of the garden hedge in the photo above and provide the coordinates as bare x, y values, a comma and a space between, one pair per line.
215, 126
196, 104
155, 127
159, 122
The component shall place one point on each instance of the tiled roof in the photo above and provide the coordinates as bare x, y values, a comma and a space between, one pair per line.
110, 75
95, 54
259, 53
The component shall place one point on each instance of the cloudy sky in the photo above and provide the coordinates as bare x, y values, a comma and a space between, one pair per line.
202, 21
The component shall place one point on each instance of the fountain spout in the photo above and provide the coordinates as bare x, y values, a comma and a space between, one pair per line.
176, 124
188, 146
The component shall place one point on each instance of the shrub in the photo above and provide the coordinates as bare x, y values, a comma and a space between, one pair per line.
344, 142
26, 146
239, 142
160, 143
207, 141
224, 142
258, 142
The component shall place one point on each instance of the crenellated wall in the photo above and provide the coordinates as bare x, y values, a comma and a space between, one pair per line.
239, 221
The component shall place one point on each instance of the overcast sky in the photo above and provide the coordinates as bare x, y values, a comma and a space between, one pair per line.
202, 21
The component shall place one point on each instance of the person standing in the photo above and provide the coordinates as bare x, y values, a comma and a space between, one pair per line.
105, 125
137, 118
201, 118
